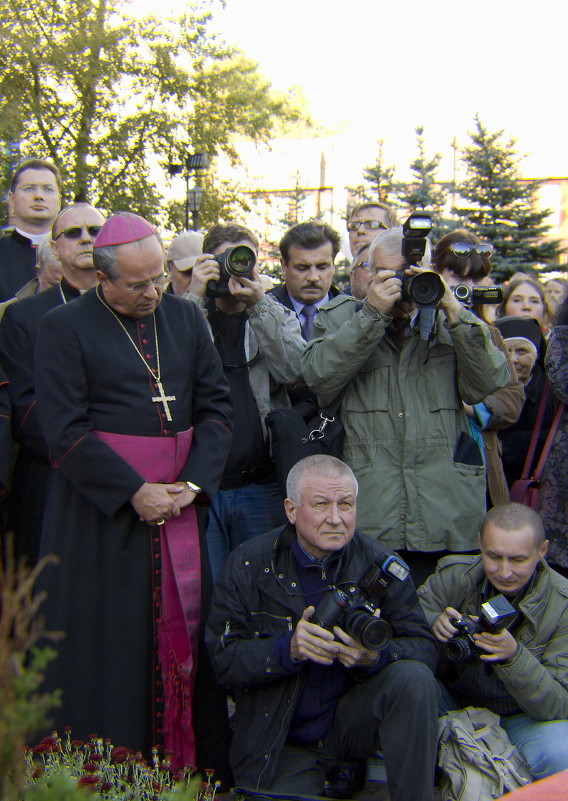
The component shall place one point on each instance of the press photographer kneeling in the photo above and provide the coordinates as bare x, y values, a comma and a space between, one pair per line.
289, 614
502, 618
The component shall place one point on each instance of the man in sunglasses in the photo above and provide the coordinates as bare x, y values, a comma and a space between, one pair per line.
366, 221
137, 416
72, 236
33, 201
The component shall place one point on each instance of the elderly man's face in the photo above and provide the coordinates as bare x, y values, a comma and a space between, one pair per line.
383, 259
138, 289
308, 273
359, 235
326, 516
361, 275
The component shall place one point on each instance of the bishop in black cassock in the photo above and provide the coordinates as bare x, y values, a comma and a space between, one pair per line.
106, 363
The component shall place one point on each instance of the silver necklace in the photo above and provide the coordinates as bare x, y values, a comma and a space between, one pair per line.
162, 397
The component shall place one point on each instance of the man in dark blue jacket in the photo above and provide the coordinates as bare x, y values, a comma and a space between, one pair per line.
308, 697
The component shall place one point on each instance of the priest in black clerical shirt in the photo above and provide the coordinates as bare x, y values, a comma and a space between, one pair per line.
136, 413
33, 201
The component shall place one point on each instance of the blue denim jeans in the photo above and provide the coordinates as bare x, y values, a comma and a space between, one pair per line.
543, 744
238, 515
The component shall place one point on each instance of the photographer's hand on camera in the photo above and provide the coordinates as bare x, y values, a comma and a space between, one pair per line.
450, 304
310, 641
443, 628
384, 291
247, 290
351, 653
500, 647
204, 270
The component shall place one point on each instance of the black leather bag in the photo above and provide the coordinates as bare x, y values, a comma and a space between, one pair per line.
300, 431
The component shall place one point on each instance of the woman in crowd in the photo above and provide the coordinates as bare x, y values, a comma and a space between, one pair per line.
524, 297
554, 493
462, 258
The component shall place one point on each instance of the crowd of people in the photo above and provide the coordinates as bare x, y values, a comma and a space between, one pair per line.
135, 383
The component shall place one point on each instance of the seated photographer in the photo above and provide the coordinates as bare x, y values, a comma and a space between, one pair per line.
309, 697
513, 661
407, 438
259, 342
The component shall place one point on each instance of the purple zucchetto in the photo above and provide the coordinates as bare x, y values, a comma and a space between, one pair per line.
122, 228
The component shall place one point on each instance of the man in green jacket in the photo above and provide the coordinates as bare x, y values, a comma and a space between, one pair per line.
407, 438
519, 672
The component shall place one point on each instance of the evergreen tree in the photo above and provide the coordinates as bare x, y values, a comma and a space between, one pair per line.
380, 178
424, 191
501, 208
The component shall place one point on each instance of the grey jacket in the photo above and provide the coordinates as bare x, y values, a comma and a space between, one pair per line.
537, 675
273, 344
403, 415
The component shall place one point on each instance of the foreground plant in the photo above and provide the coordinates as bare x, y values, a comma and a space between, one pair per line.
62, 768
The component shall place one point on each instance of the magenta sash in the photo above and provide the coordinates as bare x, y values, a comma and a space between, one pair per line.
161, 460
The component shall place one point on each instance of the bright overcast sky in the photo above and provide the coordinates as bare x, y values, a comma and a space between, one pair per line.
375, 70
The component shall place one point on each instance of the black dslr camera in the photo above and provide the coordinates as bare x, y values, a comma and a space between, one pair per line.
494, 616
352, 610
239, 260
425, 289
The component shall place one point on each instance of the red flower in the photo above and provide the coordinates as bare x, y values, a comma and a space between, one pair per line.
90, 767
37, 772
77, 743
89, 781
120, 755
209, 772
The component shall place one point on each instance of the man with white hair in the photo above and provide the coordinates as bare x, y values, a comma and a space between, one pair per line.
407, 438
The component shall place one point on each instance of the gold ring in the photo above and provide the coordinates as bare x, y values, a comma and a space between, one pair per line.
160, 522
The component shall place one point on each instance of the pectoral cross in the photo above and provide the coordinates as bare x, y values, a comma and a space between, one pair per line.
163, 398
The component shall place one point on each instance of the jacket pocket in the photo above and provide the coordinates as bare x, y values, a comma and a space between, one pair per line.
369, 389
441, 379
266, 624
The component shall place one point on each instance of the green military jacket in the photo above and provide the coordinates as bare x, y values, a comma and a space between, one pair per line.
537, 675
403, 414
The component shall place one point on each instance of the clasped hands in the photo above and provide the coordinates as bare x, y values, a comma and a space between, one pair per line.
310, 641
500, 647
155, 503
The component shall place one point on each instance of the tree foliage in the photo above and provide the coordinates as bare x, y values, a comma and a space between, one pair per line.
501, 208
112, 100
380, 179
424, 191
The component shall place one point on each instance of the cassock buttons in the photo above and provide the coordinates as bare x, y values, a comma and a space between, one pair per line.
145, 341
149, 356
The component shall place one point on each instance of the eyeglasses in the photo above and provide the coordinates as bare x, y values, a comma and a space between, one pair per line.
140, 286
370, 225
363, 265
76, 231
463, 249
47, 189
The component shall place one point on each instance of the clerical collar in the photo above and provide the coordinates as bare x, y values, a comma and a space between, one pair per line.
68, 291
35, 239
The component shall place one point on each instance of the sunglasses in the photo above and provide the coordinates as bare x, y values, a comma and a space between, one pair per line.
463, 249
75, 232
370, 225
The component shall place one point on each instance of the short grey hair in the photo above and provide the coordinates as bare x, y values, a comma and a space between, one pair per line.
321, 464
390, 241
44, 253
105, 258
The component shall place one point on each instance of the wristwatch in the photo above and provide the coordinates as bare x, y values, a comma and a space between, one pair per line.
193, 487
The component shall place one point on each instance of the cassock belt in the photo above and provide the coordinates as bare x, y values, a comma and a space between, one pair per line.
161, 460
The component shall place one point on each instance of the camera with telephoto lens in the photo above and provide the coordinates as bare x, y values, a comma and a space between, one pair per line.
494, 616
353, 609
238, 261
427, 288
478, 295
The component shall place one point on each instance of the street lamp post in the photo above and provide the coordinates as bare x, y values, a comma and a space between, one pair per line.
194, 162
193, 203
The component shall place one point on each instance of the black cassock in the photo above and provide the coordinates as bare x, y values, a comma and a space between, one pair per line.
18, 336
89, 376
17, 263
